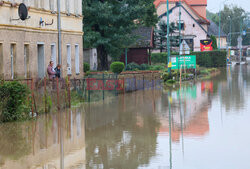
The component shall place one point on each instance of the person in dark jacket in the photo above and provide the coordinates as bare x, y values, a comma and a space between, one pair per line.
58, 71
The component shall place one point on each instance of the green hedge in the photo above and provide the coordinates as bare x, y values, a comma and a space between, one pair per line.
211, 58
161, 57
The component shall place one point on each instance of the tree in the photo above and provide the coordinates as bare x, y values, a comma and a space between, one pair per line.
107, 25
160, 38
214, 42
238, 16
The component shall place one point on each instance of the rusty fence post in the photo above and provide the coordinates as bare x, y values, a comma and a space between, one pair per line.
45, 95
57, 93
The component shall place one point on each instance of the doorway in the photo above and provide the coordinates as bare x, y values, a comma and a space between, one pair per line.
41, 60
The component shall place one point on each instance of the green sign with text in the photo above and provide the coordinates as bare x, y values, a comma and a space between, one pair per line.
188, 61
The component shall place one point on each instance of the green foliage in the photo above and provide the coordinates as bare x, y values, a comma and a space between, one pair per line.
132, 66
238, 16
171, 81
14, 103
214, 42
117, 67
160, 36
211, 58
158, 67
161, 57
108, 25
144, 67
86, 67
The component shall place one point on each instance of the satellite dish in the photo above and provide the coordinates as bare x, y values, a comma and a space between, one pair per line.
22, 11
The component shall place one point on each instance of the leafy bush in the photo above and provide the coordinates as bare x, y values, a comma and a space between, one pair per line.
171, 81
157, 67
214, 42
211, 58
161, 57
132, 66
14, 104
117, 67
144, 67
86, 67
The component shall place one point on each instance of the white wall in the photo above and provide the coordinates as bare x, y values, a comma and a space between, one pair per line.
189, 29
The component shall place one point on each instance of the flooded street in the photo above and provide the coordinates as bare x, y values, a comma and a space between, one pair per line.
197, 126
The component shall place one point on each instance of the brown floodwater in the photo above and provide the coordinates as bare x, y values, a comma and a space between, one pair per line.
203, 125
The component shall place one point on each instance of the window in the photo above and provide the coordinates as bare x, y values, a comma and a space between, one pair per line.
26, 61
68, 59
40, 60
1, 60
182, 25
52, 5
67, 7
53, 54
13, 59
76, 7
77, 62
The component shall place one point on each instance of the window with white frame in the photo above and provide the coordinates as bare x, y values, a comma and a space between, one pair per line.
53, 54
77, 59
68, 59
52, 5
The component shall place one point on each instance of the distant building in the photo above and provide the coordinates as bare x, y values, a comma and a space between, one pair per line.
26, 47
213, 29
194, 25
140, 51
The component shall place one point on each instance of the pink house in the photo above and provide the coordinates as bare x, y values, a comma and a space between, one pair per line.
193, 19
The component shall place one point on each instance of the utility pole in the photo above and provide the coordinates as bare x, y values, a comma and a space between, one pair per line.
59, 32
219, 30
168, 44
220, 20
179, 32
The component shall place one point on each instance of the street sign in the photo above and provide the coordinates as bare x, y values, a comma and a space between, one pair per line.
244, 33
184, 48
189, 61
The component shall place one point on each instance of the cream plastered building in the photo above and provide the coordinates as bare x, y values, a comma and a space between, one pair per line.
27, 47
193, 21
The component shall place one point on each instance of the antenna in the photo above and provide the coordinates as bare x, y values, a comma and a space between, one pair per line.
22, 13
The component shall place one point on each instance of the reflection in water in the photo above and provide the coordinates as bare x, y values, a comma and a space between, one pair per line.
52, 141
203, 125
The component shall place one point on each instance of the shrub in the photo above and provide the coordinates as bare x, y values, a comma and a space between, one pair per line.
157, 67
117, 67
144, 67
14, 104
211, 58
86, 67
171, 81
132, 66
161, 57
214, 42
165, 76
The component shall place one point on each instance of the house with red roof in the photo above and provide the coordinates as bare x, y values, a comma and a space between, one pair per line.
194, 24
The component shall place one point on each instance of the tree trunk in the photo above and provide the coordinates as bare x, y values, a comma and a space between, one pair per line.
102, 58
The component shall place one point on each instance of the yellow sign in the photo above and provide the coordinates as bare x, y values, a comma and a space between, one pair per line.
170, 64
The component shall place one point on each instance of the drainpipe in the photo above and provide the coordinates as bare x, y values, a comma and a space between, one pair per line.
59, 32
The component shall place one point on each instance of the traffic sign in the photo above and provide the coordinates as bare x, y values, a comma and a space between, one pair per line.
184, 48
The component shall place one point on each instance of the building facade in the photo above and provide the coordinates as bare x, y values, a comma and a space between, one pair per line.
194, 25
27, 47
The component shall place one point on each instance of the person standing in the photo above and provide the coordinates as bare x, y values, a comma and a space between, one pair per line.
50, 70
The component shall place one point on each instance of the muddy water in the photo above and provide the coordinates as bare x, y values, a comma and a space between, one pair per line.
198, 126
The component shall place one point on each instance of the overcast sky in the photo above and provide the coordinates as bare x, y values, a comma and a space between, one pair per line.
213, 5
